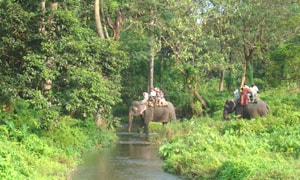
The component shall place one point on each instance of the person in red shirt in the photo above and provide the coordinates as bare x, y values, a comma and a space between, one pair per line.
244, 96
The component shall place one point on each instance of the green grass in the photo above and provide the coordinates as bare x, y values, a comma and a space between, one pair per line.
34, 146
262, 148
29, 151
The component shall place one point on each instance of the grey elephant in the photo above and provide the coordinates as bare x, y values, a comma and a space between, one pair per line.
249, 111
157, 114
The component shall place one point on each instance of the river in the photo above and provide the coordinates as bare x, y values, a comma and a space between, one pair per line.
130, 159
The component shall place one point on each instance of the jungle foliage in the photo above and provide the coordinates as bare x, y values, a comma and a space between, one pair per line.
262, 148
60, 64
29, 151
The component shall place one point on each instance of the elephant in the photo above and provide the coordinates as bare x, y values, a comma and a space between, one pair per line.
156, 114
249, 111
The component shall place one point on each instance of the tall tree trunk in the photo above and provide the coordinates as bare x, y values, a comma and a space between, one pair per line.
248, 56
244, 74
47, 84
248, 52
151, 72
98, 19
245, 62
222, 73
43, 5
152, 52
221, 81
222, 51
42, 25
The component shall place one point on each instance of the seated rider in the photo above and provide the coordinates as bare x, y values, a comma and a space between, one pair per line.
146, 98
153, 95
247, 87
244, 96
144, 101
253, 92
236, 94
160, 96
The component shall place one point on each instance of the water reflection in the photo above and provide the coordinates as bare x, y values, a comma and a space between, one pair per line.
130, 159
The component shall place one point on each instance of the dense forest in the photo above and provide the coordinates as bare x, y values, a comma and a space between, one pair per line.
63, 63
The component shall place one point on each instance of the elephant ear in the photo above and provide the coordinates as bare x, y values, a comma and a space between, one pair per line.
135, 109
230, 104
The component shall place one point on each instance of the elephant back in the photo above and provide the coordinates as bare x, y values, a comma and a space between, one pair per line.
168, 108
163, 104
260, 108
263, 105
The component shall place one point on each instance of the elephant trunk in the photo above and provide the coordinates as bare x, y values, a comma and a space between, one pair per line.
130, 117
225, 114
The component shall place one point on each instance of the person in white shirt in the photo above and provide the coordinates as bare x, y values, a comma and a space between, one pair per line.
144, 101
146, 98
236, 93
253, 90
160, 96
247, 87
153, 95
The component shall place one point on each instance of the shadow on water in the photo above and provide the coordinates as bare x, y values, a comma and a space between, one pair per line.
131, 159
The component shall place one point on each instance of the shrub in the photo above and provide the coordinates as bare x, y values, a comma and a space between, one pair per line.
262, 148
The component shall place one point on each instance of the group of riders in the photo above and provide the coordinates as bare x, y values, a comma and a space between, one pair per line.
156, 96
248, 94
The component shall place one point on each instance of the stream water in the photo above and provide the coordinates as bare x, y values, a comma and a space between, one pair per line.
130, 159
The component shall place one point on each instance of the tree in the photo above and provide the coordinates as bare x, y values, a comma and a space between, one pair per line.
102, 18
15, 43
182, 33
246, 31
259, 28
285, 64
98, 20
53, 44
142, 40
221, 43
176, 35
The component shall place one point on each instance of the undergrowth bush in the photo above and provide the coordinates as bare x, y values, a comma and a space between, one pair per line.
262, 148
35, 150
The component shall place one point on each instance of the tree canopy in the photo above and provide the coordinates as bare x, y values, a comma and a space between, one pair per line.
78, 55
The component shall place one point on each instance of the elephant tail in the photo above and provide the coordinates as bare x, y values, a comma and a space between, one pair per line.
173, 116
172, 112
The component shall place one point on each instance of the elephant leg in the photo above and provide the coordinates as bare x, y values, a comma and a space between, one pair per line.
140, 125
239, 112
164, 123
147, 129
